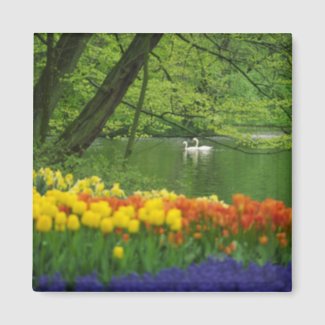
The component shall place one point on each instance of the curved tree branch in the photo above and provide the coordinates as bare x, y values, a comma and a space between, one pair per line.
169, 78
193, 133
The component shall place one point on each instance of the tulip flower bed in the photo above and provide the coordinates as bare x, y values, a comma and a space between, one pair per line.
90, 238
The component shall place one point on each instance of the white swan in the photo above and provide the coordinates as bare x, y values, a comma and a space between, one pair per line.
189, 148
203, 148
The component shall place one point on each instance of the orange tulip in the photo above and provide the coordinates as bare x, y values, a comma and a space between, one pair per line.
227, 250
281, 235
263, 240
171, 237
179, 238
225, 233
283, 242
119, 231
233, 246
126, 237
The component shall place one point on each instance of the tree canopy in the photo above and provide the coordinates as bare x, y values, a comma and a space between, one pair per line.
198, 84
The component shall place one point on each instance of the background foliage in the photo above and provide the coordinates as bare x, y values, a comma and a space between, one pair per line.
201, 83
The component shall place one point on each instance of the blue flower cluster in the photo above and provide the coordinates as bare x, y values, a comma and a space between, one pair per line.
88, 283
211, 275
48, 283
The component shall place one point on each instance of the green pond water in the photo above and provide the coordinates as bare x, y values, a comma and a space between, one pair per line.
220, 171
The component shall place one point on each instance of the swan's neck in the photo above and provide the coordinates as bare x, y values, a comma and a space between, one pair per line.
185, 144
196, 142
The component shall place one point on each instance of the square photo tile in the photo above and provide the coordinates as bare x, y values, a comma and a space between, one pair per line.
162, 162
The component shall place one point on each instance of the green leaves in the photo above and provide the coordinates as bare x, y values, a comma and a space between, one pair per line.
190, 86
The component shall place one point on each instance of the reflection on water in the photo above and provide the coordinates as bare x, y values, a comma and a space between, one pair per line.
196, 173
197, 156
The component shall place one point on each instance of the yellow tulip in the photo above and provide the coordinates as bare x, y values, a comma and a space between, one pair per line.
172, 215
134, 226
61, 184
157, 217
69, 199
121, 220
116, 190
44, 223
69, 178
100, 187
36, 211
154, 204
61, 218
49, 208
91, 219
143, 215
79, 207
73, 223
176, 225
118, 252
102, 208
87, 191
107, 225
128, 210
49, 181
95, 179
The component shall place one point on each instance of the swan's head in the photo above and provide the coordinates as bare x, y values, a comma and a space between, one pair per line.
195, 139
184, 142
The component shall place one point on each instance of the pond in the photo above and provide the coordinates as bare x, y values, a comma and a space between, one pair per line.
220, 171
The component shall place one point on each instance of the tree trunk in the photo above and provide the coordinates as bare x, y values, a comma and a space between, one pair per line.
61, 60
137, 113
47, 84
85, 128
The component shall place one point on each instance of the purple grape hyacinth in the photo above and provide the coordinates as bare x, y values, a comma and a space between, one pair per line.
211, 275
88, 283
51, 283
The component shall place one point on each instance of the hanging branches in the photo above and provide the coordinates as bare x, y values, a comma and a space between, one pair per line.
234, 65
